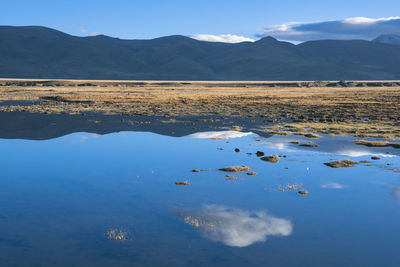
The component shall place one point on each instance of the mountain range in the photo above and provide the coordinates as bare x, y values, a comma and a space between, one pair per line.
39, 52
392, 39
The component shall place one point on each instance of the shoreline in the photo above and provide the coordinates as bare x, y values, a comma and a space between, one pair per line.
338, 109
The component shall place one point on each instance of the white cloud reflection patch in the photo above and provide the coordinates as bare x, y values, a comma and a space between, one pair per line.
397, 192
235, 227
220, 134
332, 185
361, 153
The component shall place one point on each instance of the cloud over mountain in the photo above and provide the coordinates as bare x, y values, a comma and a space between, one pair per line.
222, 38
346, 29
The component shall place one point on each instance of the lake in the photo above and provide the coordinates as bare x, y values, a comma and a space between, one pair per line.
85, 199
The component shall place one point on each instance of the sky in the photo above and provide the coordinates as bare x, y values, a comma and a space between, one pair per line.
212, 20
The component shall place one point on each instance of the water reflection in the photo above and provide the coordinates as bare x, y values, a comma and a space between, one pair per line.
220, 134
332, 185
236, 227
340, 145
397, 192
68, 196
361, 153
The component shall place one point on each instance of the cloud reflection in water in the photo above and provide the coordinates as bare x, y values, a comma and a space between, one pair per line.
220, 134
332, 186
235, 227
397, 192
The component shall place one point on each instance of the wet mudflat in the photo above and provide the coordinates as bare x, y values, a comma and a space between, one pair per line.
132, 198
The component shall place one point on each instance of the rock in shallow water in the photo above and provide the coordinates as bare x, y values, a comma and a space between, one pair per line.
181, 183
341, 163
272, 158
235, 169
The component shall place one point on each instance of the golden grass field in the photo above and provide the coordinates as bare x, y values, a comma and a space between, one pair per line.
304, 102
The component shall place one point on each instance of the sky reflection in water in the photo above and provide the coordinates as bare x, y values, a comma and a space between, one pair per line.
59, 197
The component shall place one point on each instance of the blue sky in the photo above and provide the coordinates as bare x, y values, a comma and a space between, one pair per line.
148, 19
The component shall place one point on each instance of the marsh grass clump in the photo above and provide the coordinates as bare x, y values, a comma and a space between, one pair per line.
341, 163
237, 128
309, 144
117, 235
356, 128
289, 187
197, 170
218, 138
235, 169
377, 143
308, 135
182, 183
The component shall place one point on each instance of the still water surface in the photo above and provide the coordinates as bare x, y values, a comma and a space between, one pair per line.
60, 198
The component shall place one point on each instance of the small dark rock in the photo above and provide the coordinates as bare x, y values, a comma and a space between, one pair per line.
303, 192
260, 153
181, 183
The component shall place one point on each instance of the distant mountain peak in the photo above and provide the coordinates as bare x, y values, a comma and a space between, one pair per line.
267, 39
392, 39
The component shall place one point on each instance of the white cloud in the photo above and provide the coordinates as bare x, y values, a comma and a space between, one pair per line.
237, 228
350, 28
363, 20
220, 134
85, 32
222, 38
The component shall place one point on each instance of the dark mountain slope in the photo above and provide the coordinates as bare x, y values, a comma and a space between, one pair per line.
392, 39
38, 52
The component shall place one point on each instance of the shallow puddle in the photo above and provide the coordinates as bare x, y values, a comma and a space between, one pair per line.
112, 200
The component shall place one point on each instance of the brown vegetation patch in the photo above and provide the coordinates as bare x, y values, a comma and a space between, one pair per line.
272, 158
377, 143
303, 192
235, 169
341, 163
182, 183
